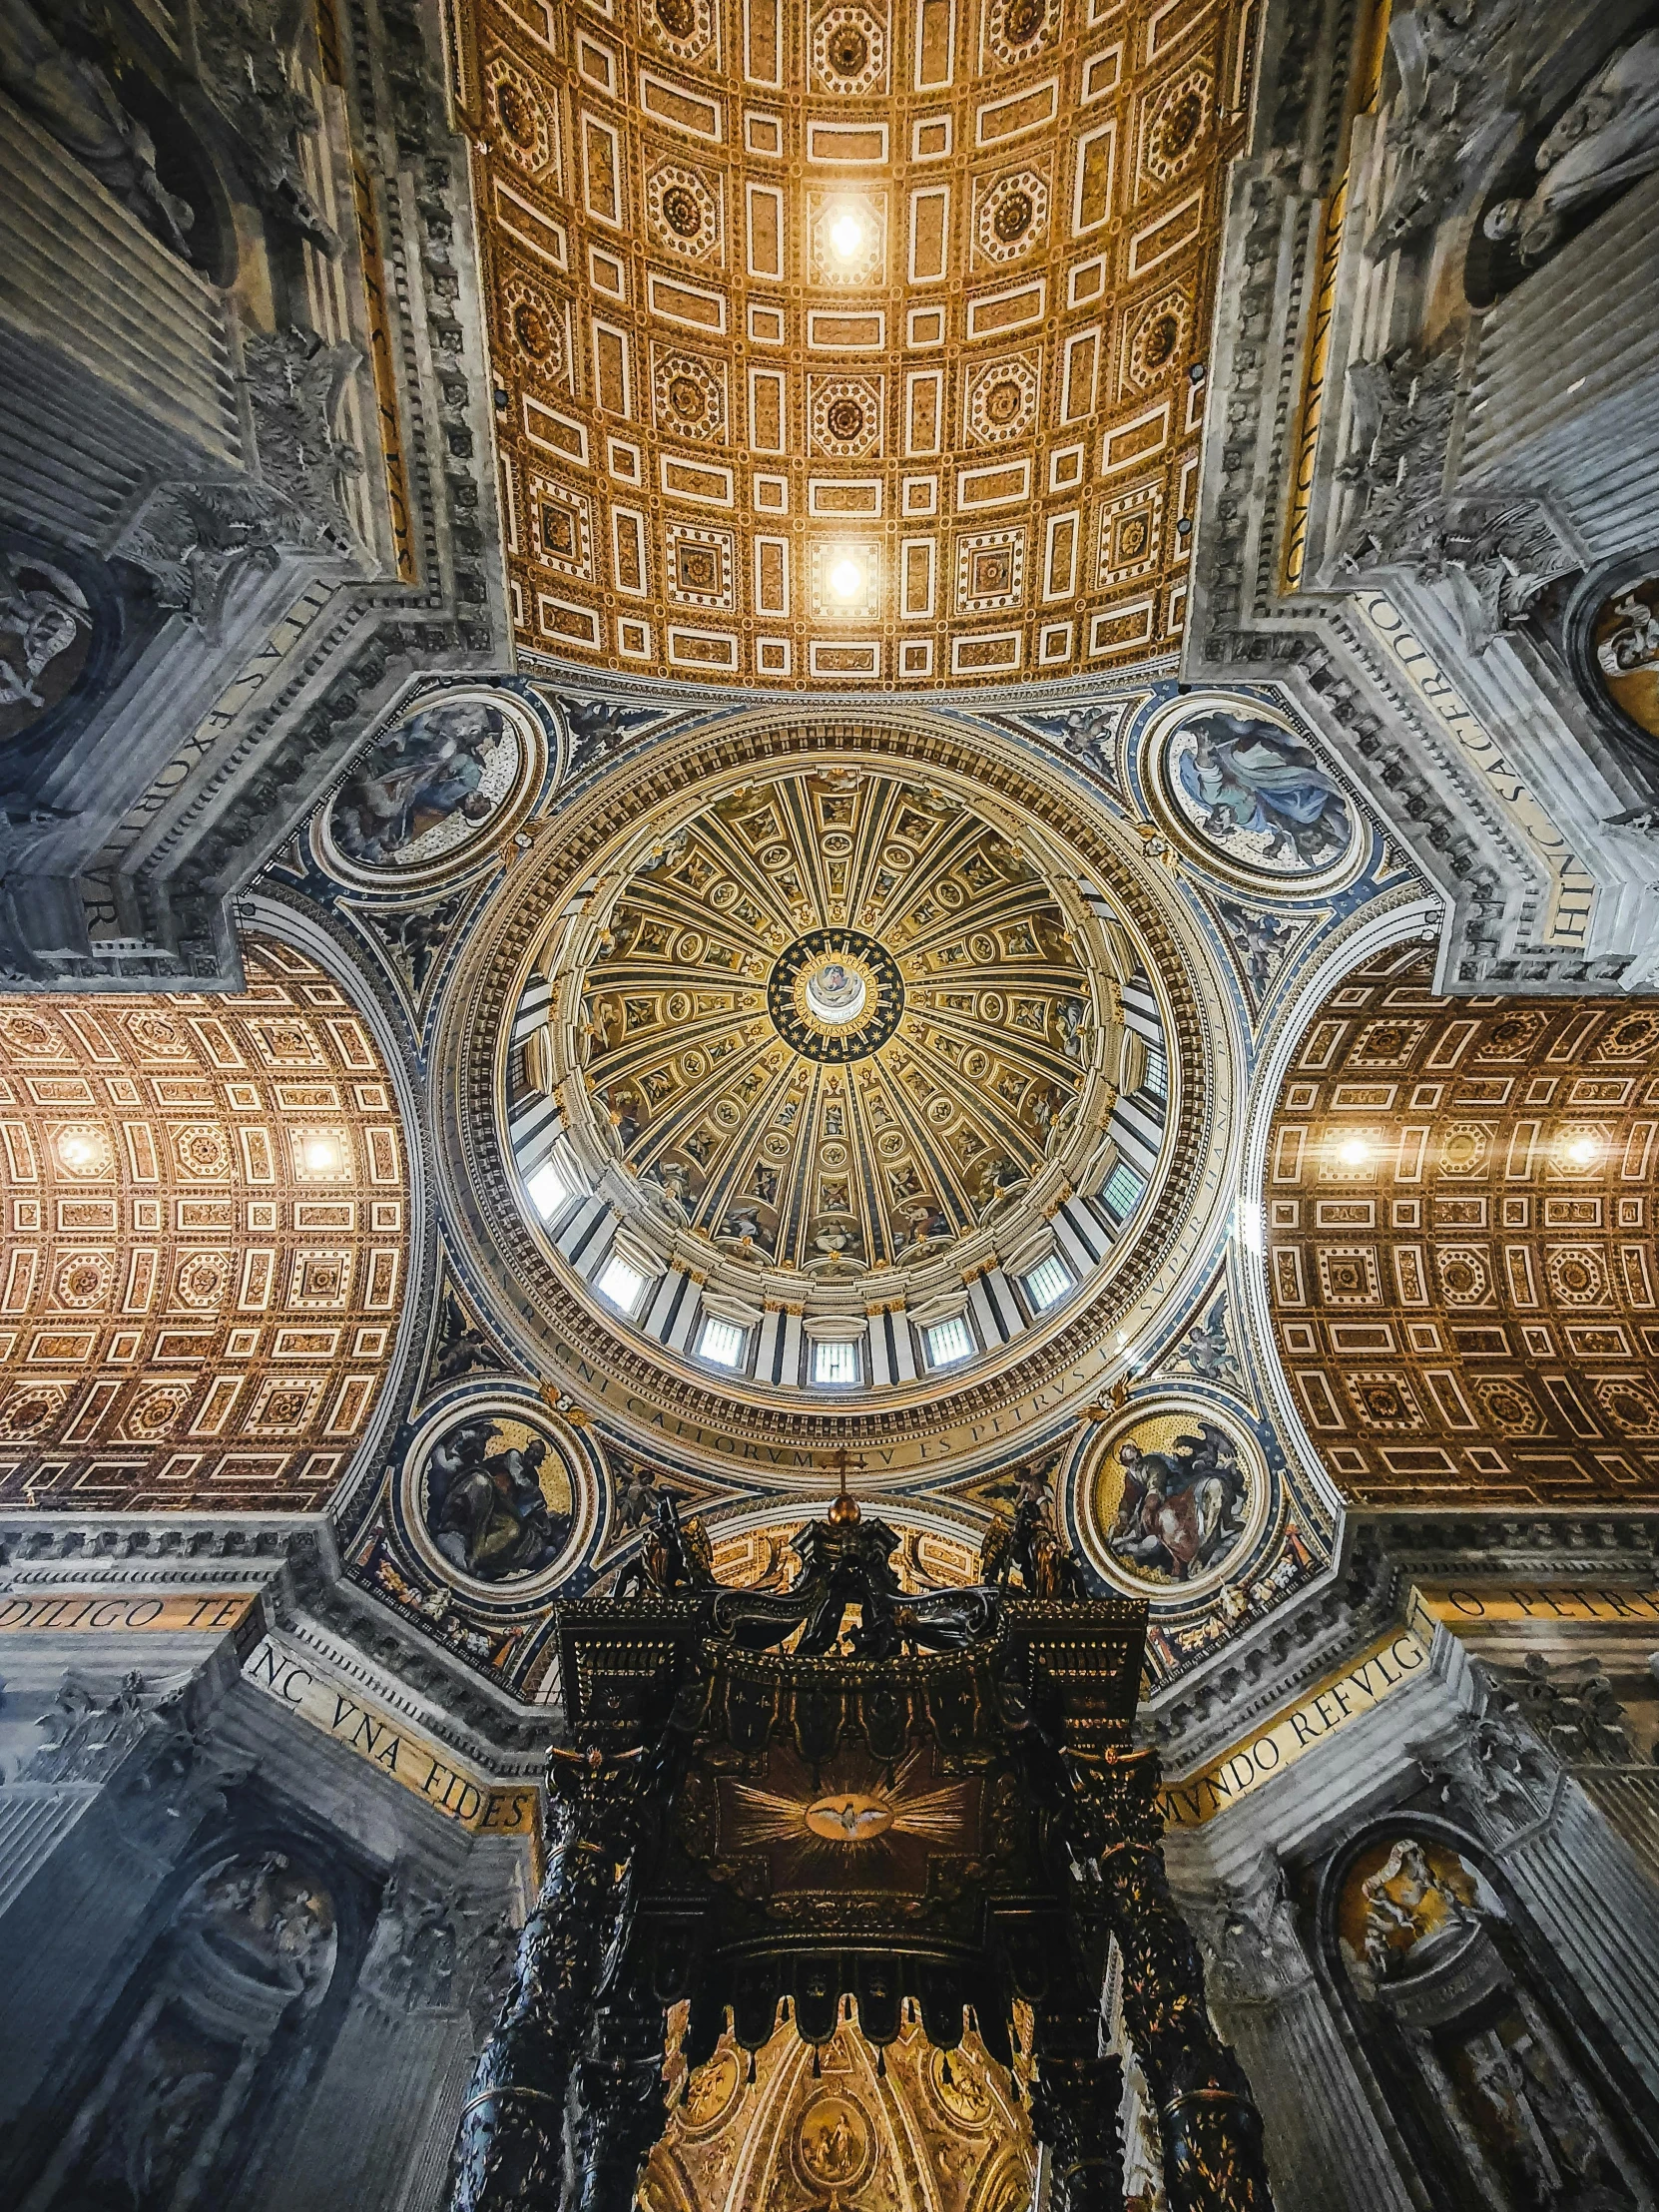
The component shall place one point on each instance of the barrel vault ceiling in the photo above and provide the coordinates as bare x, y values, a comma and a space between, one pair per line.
844, 342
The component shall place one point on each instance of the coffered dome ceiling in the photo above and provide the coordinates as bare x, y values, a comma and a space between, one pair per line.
831, 1074
838, 343
899, 1038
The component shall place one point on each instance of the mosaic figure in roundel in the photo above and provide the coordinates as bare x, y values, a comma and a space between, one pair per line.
1624, 641
495, 1499
1173, 1499
1257, 794
427, 786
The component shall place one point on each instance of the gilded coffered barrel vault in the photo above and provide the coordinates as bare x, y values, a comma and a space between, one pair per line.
850, 342
207, 1244
1462, 1266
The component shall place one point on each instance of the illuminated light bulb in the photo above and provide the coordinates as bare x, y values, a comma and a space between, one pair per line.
847, 578
320, 1155
1353, 1152
1581, 1151
77, 1152
846, 236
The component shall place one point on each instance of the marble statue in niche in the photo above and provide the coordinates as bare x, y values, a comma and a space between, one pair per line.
1497, 2082
1608, 137
1257, 794
496, 1500
251, 1948
73, 100
427, 786
1173, 1498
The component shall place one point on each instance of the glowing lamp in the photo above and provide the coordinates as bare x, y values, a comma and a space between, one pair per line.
320, 1155
846, 236
1581, 1151
77, 1152
847, 578
1353, 1152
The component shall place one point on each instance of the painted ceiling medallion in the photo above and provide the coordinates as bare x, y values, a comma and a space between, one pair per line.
836, 994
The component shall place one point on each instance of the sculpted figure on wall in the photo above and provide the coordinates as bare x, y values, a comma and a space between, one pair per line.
1486, 2075
1608, 137
74, 100
45, 626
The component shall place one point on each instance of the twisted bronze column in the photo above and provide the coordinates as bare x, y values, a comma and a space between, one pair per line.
1075, 2110
1212, 2161
619, 2094
510, 2150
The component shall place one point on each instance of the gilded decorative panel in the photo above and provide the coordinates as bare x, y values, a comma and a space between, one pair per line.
930, 2131
206, 1237
1459, 1199
851, 343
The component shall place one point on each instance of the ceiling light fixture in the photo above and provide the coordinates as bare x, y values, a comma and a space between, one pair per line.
847, 235
76, 1152
847, 577
1353, 1152
320, 1155
1581, 1151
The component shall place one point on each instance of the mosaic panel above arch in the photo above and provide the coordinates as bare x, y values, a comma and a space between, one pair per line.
207, 1214
1459, 1198
842, 343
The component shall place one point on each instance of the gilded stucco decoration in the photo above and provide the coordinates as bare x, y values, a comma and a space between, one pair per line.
901, 1032
207, 1207
1459, 1199
931, 2131
837, 279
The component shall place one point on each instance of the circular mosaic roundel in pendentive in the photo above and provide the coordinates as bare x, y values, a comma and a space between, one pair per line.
450, 777
835, 995
497, 1499
1250, 791
1171, 1499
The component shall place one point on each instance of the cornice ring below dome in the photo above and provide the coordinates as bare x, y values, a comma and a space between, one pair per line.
546, 1082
